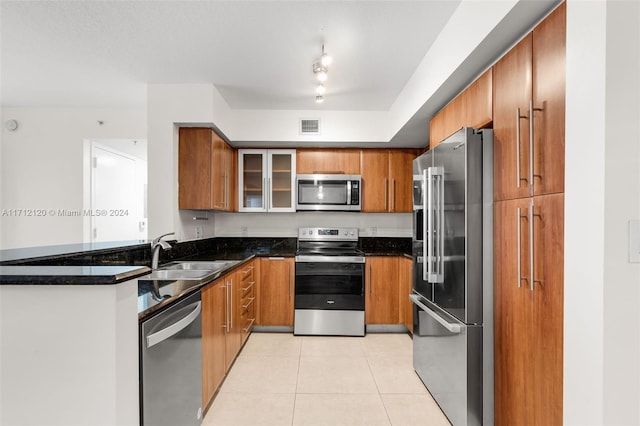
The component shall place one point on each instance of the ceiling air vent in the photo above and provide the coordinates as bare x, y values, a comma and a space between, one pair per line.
309, 126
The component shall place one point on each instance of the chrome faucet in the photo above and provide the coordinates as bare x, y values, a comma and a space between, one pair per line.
156, 245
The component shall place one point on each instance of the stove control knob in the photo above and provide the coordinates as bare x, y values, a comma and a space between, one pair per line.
353, 234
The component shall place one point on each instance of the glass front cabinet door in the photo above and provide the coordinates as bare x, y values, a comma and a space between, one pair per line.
266, 180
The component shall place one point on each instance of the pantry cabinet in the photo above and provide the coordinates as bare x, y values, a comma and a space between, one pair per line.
266, 180
386, 180
528, 299
382, 290
327, 161
206, 170
528, 108
276, 292
529, 227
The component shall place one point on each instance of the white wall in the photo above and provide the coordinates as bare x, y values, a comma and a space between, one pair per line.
602, 193
287, 224
622, 201
69, 355
42, 168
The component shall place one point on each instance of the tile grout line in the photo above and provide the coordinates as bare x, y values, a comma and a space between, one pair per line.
386, 412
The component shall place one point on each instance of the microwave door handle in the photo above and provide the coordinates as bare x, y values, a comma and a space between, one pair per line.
348, 193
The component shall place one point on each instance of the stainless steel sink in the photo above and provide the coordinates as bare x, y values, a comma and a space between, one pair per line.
213, 265
178, 274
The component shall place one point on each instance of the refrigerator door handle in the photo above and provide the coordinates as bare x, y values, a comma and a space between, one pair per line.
453, 328
434, 228
428, 238
440, 229
426, 220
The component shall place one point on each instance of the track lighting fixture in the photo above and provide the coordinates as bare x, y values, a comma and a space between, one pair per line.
321, 69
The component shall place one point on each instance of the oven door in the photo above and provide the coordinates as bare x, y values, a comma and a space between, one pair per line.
329, 286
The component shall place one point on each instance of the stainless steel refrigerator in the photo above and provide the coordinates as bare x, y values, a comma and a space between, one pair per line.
453, 275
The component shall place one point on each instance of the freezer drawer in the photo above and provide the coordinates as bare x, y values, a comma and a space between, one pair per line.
447, 356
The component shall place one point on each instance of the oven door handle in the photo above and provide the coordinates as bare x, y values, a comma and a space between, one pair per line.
453, 328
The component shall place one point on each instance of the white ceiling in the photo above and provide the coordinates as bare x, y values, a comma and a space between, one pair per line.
258, 54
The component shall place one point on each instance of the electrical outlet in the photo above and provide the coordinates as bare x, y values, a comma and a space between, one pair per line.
374, 231
244, 231
199, 232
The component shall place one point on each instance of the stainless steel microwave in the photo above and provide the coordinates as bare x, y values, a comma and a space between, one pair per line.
327, 192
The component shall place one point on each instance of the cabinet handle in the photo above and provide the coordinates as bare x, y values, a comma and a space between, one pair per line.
269, 194
386, 195
518, 173
369, 280
251, 299
231, 305
520, 277
247, 271
531, 157
289, 275
226, 190
393, 195
531, 174
264, 193
533, 214
531, 245
249, 286
226, 306
247, 328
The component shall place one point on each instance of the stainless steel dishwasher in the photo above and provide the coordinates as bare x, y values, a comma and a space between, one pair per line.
171, 365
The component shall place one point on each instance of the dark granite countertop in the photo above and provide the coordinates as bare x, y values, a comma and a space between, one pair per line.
55, 252
155, 295
114, 262
69, 275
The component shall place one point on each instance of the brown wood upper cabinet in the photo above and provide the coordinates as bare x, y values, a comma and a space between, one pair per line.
386, 179
206, 171
528, 108
310, 160
471, 108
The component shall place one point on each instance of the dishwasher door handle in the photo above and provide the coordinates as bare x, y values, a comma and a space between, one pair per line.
176, 327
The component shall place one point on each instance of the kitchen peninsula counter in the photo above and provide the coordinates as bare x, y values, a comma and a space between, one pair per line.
68, 275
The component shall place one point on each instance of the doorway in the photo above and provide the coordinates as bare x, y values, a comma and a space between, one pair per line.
116, 200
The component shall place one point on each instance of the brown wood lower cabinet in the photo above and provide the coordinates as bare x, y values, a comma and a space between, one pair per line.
382, 288
213, 338
247, 298
227, 318
528, 310
275, 291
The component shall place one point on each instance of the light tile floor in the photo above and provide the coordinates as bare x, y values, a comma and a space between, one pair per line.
281, 379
